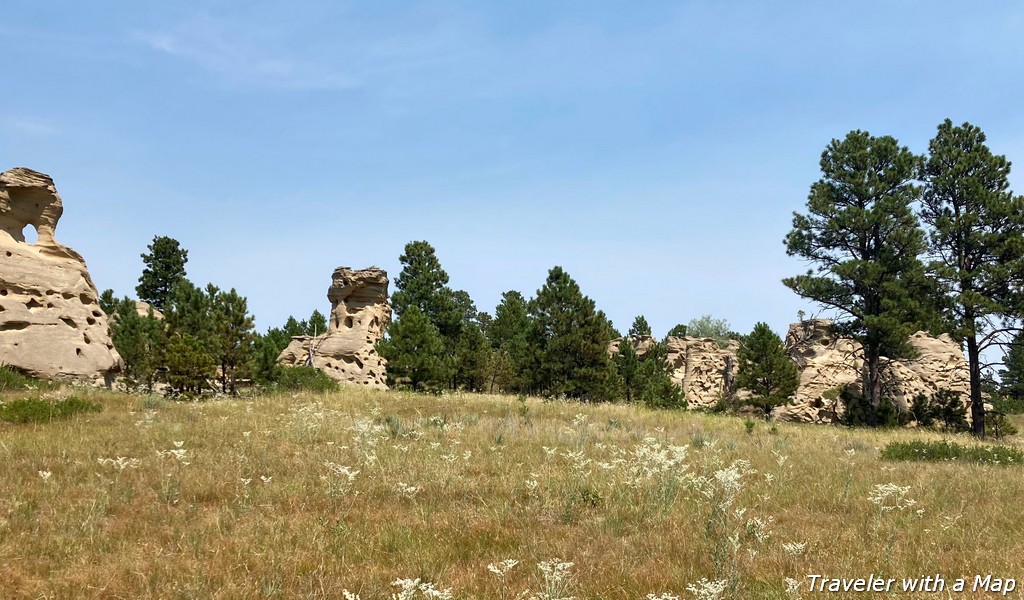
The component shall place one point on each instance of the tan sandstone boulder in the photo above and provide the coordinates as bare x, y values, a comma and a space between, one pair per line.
51, 324
360, 313
829, 363
705, 371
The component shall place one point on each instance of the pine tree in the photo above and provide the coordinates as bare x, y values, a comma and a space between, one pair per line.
140, 340
765, 369
677, 331
317, 324
472, 357
508, 334
627, 363
231, 334
640, 327
165, 267
863, 241
189, 364
415, 352
424, 284
654, 380
1012, 376
571, 339
977, 239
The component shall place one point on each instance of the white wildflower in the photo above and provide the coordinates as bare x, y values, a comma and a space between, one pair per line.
707, 590
45, 475
794, 548
501, 569
889, 497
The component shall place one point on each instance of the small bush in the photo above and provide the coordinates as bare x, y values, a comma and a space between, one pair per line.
304, 378
944, 407
36, 410
1008, 404
952, 451
998, 426
12, 381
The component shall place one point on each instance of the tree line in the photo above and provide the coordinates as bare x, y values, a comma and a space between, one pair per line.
895, 242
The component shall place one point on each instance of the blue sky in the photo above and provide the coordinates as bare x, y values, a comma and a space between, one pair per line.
655, 150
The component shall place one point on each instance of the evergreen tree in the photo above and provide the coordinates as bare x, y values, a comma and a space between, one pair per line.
472, 357
976, 228
677, 331
165, 267
654, 384
317, 324
415, 352
424, 284
231, 334
863, 241
766, 370
571, 340
188, 312
1012, 376
627, 364
640, 327
189, 364
508, 334
293, 328
140, 340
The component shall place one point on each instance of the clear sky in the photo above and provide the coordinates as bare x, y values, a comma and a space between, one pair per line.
655, 150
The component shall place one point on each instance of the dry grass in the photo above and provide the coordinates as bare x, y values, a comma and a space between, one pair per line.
259, 505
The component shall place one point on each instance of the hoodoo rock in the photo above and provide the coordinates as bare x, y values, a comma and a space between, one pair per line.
828, 363
51, 324
359, 315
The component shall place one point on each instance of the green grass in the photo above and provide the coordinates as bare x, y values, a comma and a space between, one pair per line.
13, 381
38, 410
946, 450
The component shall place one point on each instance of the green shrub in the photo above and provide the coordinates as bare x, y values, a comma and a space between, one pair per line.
952, 451
1008, 404
12, 381
305, 378
860, 413
998, 426
37, 410
944, 407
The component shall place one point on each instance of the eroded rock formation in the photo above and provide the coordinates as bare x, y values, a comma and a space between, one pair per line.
359, 315
829, 363
701, 367
51, 324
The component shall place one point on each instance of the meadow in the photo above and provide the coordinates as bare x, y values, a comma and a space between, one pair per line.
365, 494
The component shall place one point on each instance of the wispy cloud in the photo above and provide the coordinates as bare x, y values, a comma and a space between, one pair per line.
241, 60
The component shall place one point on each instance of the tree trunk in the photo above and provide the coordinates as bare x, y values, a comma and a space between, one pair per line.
977, 404
874, 383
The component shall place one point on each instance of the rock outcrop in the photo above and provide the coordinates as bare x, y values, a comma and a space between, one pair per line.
701, 367
359, 315
829, 363
705, 370
51, 324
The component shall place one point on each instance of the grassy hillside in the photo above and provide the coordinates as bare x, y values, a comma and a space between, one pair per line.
306, 496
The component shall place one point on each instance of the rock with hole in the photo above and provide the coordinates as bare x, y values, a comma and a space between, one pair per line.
51, 323
360, 313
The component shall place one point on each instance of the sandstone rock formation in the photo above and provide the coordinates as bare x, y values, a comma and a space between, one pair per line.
359, 315
51, 324
699, 366
829, 363
705, 371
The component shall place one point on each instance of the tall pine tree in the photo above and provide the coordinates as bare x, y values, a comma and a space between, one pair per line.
976, 228
571, 338
863, 241
165, 267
